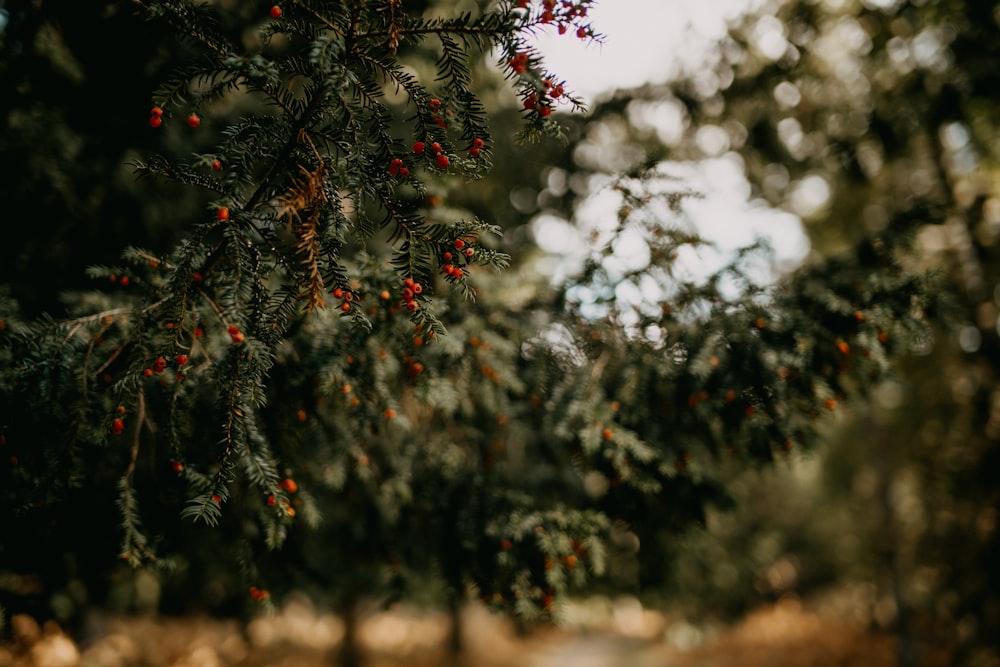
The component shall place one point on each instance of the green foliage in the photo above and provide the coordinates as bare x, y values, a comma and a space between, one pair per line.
333, 380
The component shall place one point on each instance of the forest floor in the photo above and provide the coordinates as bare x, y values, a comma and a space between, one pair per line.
787, 634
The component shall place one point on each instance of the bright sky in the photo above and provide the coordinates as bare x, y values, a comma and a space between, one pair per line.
652, 41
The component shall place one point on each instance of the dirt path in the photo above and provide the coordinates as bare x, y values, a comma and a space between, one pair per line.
785, 635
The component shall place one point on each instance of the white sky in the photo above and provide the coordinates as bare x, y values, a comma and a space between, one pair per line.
644, 40
652, 41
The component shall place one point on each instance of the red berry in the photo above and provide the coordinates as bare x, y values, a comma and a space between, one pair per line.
270, 499
418, 147
117, 426
478, 143
155, 121
346, 306
505, 544
412, 306
237, 337
193, 120
436, 148
473, 152
123, 281
435, 103
459, 244
232, 329
275, 12
148, 372
338, 293
182, 359
177, 466
545, 111
222, 213
288, 484
581, 33
216, 165
156, 111
443, 161
216, 498
404, 172
446, 256
469, 252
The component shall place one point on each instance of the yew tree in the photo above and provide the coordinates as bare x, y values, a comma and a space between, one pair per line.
335, 379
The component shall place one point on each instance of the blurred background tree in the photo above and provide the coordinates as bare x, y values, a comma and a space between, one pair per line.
858, 117
870, 122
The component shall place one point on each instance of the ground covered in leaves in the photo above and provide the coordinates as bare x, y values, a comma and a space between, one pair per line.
784, 635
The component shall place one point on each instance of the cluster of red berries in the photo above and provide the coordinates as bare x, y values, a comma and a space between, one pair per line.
155, 117
450, 266
477, 145
235, 334
438, 113
413, 367
411, 289
396, 168
346, 298
259, 594
160, 364
519, 63
121, 280
442, 160
542, 101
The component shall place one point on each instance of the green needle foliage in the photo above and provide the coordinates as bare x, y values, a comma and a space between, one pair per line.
331, 381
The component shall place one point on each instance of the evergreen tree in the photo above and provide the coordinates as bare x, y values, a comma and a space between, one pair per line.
330, 379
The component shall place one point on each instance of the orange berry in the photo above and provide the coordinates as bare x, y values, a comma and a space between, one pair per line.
830, 404
222, 213
302, 415
390, 413
843, 347
346, 306
607, 434
289, 484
